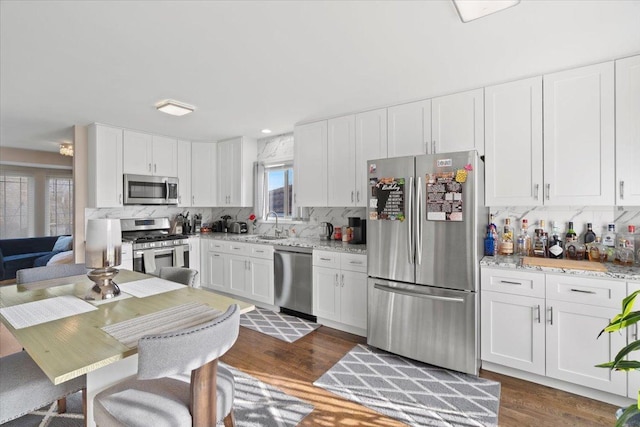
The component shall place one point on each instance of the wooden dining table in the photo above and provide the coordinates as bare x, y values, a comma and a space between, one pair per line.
76, 345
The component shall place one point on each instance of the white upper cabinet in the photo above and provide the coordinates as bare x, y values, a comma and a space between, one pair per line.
341, 161
104, 166
203, 174
513, 144
310, 164
371, 143
184, 173
235, 171
146, 154
409, 129
628, 131
457, 122
579, 124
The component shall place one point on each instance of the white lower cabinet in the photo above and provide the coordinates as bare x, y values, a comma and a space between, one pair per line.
548, 324
194, 258
340, 290
240, 269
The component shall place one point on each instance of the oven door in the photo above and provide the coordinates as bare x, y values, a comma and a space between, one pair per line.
150, 261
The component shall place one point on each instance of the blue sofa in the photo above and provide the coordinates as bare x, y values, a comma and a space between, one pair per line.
16, 254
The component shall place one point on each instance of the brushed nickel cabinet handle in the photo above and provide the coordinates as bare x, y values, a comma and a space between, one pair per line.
548, 191
538, 312
551, 315
342, 280
506, 282
352, 197
155, 168
149, 167
536, 189
621, 189
325, 259
582, 291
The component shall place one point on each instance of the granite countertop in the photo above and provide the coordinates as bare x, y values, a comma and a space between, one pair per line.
305, 242
613, 271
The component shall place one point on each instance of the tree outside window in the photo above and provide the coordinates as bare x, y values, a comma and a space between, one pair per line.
60, 206
279, 185
16, 212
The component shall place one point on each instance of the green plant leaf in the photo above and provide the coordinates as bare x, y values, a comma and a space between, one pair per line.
621, 322
623, 365
627, 303
625, 350
629, 412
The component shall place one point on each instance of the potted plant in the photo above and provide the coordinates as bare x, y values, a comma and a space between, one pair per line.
620, 363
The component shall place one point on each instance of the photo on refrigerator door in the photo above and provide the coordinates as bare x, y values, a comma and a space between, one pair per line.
444, 197
387, 199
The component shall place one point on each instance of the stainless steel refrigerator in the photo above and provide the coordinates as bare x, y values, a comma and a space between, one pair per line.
426, 227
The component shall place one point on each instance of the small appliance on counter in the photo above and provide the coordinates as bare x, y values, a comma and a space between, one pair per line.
217, 226
238, 227
197, 223
326, 230
358, 228
226, 223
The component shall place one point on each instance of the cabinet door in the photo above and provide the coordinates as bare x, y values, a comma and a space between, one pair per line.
214, 272
457, 122
105, 167
229, 172
238, 274
184, 173
573, 346
513, 331
579, 124
261, 280
203, 178
513, 144
371, 143
409, 129
310, 164
353, 299
634, 376
165, 156
194, 258
326, 293
341, 159
138, 153
628, 131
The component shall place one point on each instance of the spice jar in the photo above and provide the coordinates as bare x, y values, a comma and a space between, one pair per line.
337, 233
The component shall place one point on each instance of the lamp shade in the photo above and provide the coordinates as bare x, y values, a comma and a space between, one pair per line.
104, 243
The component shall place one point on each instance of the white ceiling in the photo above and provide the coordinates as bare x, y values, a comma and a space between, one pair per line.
249, 65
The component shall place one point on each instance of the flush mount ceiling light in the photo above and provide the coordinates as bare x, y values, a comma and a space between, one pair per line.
266, 131
66, 150
474, 9
175, 108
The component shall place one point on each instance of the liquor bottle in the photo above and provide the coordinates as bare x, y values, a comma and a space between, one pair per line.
574, 249
571, 234
624, 254
555, 245
609, 240
589, 236
489, 243
539, 242
523, 246
594, 249
506, 240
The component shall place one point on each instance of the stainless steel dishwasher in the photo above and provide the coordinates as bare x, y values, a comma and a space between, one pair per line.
293, 272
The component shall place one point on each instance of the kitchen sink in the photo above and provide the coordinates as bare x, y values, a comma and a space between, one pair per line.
266, 237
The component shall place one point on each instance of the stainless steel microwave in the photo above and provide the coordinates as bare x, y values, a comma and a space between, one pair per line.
150, 190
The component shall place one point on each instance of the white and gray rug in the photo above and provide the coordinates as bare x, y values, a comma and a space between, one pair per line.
256, 404
282, 326
412, 392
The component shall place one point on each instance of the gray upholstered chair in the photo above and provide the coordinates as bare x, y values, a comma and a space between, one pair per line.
186, 276
25, 388
179, 382
36, 274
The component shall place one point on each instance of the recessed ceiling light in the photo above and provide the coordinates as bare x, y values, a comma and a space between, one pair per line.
266, 131
474, 9
175, 108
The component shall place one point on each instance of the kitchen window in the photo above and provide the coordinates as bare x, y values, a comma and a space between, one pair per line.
278, 190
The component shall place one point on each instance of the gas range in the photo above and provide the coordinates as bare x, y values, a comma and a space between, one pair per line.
150, 233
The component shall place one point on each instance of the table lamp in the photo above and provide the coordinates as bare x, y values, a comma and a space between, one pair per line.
103, 252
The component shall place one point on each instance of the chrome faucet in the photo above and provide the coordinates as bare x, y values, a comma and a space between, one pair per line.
277, 230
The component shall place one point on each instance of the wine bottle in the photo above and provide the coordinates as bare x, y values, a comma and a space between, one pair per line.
571, 234
589, 236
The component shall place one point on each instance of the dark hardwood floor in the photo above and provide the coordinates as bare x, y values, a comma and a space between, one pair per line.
294, 367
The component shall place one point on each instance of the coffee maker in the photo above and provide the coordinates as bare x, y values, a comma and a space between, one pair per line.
359, 227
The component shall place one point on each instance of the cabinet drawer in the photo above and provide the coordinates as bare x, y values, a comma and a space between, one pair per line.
237, 248
584, 290
326, 259
353, 262
214, 245
261, 251
512, 282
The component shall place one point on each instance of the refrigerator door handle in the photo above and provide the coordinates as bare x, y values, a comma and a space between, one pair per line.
410, 221
415, 294
418, 221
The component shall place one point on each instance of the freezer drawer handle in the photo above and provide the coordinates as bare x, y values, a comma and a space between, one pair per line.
506, 282
582, 291
355, 262
325, 259
415, 294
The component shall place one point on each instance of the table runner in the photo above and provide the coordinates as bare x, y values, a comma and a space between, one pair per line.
147, 287
172, 319
46, 310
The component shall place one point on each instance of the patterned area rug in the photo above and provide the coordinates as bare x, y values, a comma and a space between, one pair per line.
282, 326
412, 392
256, 405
